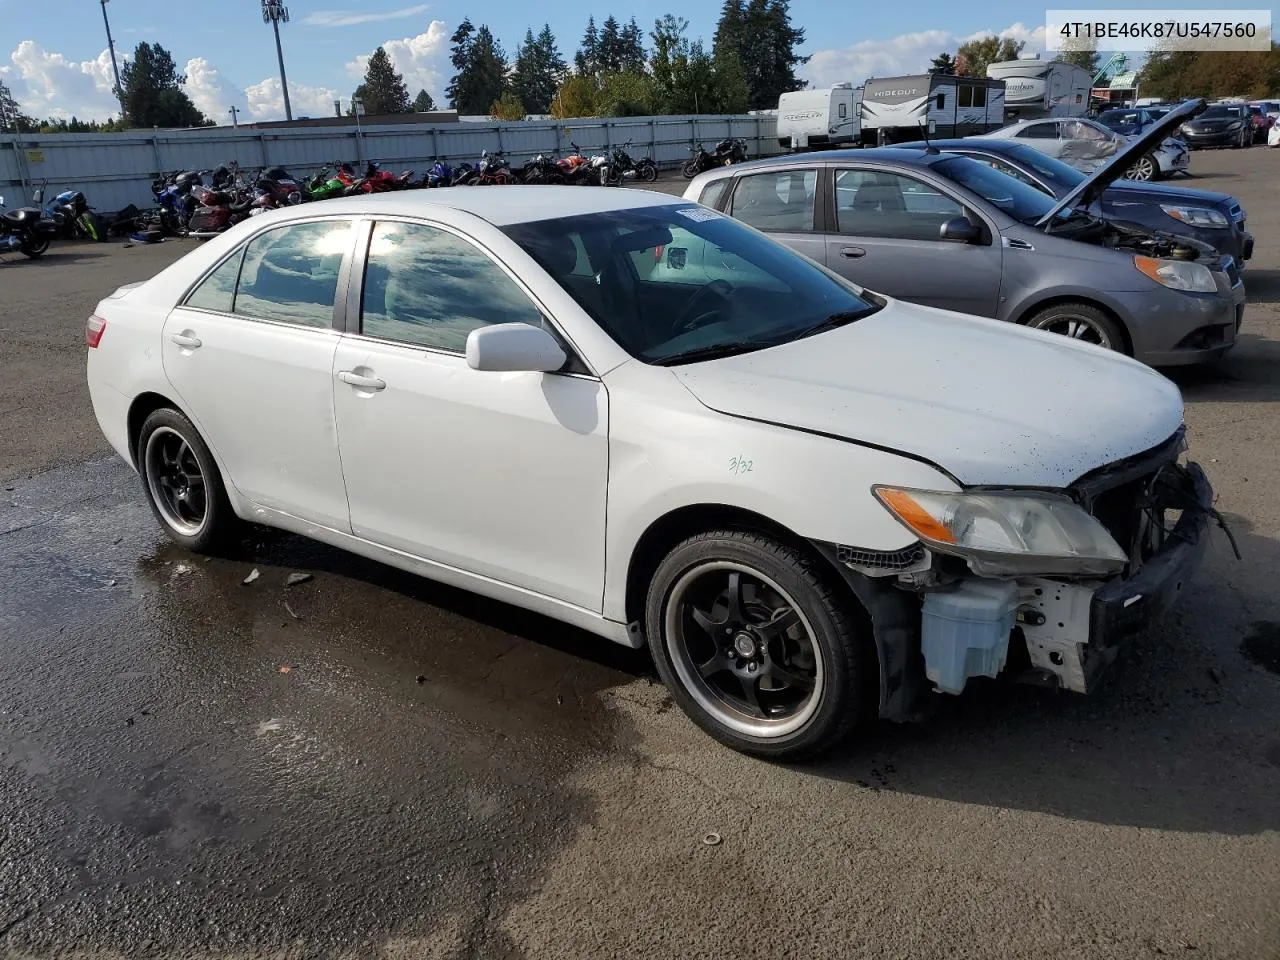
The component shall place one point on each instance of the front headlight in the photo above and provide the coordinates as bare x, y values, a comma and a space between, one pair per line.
1186, 128
1235, 125
1195, 216
1177, 274
1002, 533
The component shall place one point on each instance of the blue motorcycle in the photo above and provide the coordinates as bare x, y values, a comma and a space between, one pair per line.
440, 175
174, 198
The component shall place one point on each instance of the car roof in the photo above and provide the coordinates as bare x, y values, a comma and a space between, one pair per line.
500, 207
917, 157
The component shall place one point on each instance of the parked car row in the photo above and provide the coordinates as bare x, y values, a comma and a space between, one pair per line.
815, 503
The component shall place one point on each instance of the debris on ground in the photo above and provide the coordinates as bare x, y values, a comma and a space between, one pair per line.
180, 569
420, 679
291, 611
253, 575
285, 668
296, 578
712, 839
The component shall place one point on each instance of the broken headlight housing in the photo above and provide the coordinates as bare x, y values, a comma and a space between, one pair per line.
1008, 533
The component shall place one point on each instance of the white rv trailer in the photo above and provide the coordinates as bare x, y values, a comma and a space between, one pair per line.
896, 109
1036, 88
809, 119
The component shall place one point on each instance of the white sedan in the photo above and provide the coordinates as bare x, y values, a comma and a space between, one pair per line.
817, 505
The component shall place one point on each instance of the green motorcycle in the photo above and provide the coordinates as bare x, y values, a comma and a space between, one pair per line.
323, 186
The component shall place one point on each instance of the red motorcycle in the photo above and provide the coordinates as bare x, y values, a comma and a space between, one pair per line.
282, 189
375, 179
217, 210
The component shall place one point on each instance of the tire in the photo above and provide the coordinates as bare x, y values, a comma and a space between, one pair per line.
35, 247
689, 170
648, 173
1081, 321
829, 665
1145, 170
170, 450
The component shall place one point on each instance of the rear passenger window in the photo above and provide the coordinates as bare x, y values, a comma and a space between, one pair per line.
1039, 131
714, 193
429, 288
875, 204
290, 274
218, 290
777, 201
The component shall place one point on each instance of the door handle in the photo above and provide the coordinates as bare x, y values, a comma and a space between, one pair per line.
182, 340
852, 253
363, 382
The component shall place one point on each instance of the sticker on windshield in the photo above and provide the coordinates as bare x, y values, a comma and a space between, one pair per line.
698, 214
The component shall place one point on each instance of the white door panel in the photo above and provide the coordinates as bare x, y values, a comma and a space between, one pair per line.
499, 474
262, 395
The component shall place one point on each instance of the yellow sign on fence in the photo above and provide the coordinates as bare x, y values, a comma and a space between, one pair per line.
35, 156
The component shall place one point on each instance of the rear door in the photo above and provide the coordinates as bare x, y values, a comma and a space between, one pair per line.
886, 238
250, 356
784, 204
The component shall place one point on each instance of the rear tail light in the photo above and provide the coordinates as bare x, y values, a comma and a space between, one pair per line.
93, 330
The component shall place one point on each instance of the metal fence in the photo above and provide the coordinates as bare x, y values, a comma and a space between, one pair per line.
116, 169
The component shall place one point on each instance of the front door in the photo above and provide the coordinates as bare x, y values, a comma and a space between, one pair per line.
887, 240
783, 204
251, 349
498, 474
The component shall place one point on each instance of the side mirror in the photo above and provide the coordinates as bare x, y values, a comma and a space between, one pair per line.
959, 230
38, 197
514, 347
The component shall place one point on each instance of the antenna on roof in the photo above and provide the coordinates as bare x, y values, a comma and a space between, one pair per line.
924, 132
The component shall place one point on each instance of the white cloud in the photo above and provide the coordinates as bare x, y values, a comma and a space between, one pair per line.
211, 92
349, 18
50, 85
267, 103
421, 60
905, 54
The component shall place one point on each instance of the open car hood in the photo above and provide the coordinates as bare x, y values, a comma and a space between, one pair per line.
1091, 188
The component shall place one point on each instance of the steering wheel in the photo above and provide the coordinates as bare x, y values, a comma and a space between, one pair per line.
689, 320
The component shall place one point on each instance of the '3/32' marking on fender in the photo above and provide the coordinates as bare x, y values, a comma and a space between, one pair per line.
740, 465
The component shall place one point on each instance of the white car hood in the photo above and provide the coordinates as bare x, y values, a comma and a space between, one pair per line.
989, 402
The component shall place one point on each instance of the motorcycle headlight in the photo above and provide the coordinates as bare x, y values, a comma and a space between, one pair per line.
1012, 533
1177, 274
1195, 216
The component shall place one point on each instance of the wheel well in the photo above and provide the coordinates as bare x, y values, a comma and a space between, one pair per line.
667, 531
1055, 301
142, 407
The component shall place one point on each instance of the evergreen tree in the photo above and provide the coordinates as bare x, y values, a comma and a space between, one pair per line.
575, 97
460, 57
538, 68
383, 90
943, 63
632, 56
507, 107
153, 94
973, 57
587, 60
481, 70
731, 94
610, 58
12, 119
729, 30
768, 52
1085, 57
423, 103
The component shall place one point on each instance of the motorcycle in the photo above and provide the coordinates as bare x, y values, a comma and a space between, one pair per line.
218, 210
375, 179
727, 153
281, 189
622, 167
27, 230
575, 168
323, 186
173, 197
440, 175
541, 170
75, 219
493, 170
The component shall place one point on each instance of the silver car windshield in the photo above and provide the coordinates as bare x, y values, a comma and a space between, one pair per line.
1019, 200
680, 283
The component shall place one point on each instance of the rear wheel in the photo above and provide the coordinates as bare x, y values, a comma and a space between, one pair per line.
1080, 321
35, 247
757, 647
1145, 169
690, 169
183, 484
648, 172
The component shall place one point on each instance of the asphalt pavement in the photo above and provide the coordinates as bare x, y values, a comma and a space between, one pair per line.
364, 763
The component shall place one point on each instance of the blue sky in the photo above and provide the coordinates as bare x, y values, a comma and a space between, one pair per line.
52, 53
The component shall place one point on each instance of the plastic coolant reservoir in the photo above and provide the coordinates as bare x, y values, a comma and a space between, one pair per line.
965, 632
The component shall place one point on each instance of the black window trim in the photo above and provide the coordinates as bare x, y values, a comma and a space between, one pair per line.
819, 201
1000, 158
239, 250
970, 211
575, 366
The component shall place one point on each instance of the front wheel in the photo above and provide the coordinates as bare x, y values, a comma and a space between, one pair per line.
1144, 170
647, 172
35, 247
183, 484
1080, 321
758, 647
690, 169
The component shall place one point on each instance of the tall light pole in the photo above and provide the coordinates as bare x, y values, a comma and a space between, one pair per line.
115, 68
275, 13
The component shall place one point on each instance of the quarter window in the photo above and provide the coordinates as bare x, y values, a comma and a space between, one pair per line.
429, 288
875, 204
290, 275
777, 201
1039, 131
218, 290
714, 192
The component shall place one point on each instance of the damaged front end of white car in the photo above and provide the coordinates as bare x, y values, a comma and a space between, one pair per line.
1042, 586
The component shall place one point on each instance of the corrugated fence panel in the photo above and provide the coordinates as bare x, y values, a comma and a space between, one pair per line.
115, 170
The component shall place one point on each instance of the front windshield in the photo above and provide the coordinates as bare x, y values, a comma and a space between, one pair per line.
1219, 113
674, 282
1122, 120
1061, 176
1019, 200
